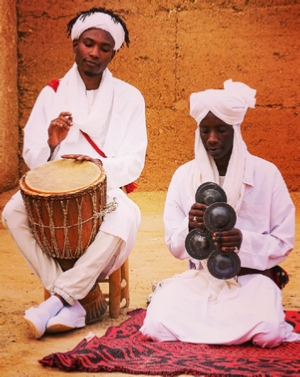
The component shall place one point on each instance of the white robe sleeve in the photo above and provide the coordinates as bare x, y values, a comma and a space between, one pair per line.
267, 223
36, 150
176, 216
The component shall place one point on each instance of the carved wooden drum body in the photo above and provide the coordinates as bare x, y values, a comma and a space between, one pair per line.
64, 200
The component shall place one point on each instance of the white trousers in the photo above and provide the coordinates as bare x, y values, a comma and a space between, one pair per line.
106, 254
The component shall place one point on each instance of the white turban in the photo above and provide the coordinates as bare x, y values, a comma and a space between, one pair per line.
230, 105
102, 21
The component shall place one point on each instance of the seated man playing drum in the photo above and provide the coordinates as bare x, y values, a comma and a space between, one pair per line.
195, 306
88, 115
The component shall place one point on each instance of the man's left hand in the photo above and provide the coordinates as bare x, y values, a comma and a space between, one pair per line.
230, 240
82, 157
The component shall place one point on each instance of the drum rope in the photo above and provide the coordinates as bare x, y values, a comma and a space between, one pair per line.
53, 245
36, 226
112, 206
67, 246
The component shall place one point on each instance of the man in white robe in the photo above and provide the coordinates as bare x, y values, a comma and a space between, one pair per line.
88, 102
195, 306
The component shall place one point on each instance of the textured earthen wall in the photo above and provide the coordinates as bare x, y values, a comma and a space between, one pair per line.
178, 47
9, 135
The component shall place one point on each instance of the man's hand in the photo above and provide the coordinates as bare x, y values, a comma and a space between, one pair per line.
196, 214
82, 157
59, 128
230, 240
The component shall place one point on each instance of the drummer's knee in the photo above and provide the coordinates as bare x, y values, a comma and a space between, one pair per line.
12, 209
4, 222
7, 213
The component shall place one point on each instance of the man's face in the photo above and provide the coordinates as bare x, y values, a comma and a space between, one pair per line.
217, 137
93, 51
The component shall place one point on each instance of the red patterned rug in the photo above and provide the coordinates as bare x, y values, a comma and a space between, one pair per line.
124, 349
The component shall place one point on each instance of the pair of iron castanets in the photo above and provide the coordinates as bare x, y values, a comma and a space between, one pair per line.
219, 216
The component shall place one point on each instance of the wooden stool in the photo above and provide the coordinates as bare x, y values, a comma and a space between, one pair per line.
118, 290
95, 303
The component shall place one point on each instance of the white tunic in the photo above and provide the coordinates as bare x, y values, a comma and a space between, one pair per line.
196, 307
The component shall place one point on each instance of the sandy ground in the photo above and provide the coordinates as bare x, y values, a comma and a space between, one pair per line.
149, 261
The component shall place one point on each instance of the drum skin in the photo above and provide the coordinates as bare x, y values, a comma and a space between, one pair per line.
64, 222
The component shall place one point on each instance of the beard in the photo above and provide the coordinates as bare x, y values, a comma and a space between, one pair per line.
91, 73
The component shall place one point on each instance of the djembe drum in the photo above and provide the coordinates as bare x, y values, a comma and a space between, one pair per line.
65, 202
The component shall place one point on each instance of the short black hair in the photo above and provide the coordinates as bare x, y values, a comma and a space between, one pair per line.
86, 13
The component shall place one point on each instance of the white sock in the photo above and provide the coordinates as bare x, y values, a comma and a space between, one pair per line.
53, 305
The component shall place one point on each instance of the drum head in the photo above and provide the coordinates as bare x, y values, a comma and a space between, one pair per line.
219, 217
223, 265
209, 193
61, 176
199, 244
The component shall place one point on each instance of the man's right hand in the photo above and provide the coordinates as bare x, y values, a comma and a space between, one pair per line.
59, 128
196, 215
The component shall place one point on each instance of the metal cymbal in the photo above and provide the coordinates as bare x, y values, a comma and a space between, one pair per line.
223, 265
199, 244
209, 193
219, 217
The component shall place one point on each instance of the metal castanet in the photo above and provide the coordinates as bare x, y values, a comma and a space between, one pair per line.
219, 217
209, 193
199, 244
223, 265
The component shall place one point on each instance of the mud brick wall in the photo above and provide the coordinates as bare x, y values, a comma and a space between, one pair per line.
178, 47
9, 114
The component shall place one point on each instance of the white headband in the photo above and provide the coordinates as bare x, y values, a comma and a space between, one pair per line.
229, 104
102, 21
